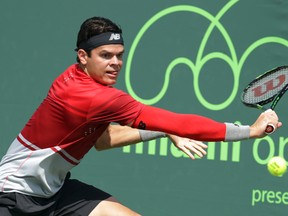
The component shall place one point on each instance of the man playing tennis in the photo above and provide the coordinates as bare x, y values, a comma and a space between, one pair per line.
76, 115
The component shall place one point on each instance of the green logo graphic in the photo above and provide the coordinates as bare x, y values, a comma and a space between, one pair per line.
228, 151
196, 65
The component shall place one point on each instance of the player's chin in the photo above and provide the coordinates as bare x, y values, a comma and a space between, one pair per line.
111, 78
110, 81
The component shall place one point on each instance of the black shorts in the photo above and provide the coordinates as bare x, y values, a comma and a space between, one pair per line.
75, 198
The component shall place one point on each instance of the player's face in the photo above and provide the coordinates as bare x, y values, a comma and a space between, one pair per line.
105, 63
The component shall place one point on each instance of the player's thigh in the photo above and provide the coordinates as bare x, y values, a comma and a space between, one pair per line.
110, 207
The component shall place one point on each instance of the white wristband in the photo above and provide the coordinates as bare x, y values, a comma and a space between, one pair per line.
147, 135
235, 132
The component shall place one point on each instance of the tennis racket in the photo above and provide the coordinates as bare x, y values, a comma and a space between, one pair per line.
266, 88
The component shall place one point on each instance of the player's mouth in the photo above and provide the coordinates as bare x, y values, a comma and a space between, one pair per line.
112, 74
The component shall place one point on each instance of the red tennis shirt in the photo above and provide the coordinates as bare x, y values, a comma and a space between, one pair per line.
62, 130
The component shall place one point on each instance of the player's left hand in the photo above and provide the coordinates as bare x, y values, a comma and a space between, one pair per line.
189, 146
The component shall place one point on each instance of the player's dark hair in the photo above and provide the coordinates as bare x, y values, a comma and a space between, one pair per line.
95, 26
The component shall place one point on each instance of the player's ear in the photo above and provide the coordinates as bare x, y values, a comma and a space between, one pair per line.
82, 55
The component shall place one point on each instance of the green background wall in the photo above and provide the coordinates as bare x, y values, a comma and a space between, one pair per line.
37, 41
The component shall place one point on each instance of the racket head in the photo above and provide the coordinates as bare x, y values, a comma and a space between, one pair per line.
265, 88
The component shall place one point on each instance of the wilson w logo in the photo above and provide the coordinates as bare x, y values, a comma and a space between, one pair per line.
269, 85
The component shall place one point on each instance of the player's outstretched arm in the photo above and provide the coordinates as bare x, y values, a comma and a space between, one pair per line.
118, 136
202, 128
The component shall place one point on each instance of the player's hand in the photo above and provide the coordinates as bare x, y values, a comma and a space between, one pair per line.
189, 146
257, 130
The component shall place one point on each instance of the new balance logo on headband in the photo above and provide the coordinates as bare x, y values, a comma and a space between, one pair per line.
115, 36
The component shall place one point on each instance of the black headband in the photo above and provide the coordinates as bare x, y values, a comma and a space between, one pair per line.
101, 39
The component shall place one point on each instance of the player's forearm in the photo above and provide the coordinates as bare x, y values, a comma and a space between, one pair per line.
117, 136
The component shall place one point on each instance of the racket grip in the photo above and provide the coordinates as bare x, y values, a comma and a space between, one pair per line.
270, 129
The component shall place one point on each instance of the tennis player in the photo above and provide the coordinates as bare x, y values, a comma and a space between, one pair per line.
77, 114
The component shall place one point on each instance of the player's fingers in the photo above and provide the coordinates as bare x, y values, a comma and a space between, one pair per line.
200, 146
202, 149
188, 152
198, 143
270, 113
271, 120
191, 147
200, 152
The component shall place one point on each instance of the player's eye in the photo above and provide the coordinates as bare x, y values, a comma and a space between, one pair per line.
106, 55
120, 56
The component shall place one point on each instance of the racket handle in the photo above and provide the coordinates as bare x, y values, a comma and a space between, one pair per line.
270, 129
